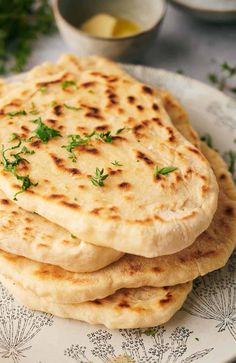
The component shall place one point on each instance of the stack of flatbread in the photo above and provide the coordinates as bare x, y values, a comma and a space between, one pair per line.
110, 205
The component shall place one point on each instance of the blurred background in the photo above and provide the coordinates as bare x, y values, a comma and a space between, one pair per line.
202, 49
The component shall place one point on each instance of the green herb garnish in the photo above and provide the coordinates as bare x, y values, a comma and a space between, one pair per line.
17, 113
73, 236
120, 130
207, 138
222, 79
43, 132
76, 140
26, 184
67, 83
43, 89
98, 179
164, 171
33, 110
13, 137
11, 165
116, 163
72, 107
104, 136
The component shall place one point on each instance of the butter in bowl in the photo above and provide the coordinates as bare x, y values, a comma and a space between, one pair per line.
120, 30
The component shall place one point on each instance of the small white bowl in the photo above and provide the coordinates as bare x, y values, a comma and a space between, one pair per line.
218, 11
148, 14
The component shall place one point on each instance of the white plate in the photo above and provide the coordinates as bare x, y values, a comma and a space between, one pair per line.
218, 11
204, 330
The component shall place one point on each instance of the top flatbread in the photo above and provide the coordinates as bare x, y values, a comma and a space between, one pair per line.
134, 212
29, 235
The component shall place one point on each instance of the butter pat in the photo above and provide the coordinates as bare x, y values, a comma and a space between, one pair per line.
101, 25
125, 27
107, 26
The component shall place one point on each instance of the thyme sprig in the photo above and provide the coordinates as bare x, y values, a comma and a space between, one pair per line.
98, 179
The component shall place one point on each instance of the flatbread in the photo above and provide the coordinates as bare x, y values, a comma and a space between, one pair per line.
131, 308
209, 252
174, 209
32, 236
29, 235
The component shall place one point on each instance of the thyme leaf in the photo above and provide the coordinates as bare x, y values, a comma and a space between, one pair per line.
164, 171
72, 107
120, 130
43, 89
67, 83
17, 113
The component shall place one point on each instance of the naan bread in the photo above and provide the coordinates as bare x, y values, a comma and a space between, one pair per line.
209, 252
131, 308
29, 235
174, 209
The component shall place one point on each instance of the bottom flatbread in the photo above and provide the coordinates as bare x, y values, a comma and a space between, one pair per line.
127, 308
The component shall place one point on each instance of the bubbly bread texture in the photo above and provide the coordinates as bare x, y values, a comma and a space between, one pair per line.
127, 308
30, 235
134, 211
209, 252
